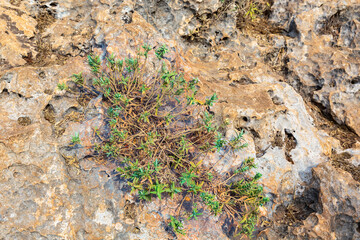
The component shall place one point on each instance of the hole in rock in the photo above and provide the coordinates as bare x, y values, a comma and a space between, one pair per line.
290, 144
355, 80
49, 113
24, 121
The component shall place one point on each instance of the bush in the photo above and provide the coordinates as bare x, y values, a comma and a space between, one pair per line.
160, 133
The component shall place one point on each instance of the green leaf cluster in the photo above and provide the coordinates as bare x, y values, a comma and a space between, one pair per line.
159, 132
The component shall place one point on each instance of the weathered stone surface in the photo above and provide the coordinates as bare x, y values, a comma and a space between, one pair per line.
265, 84
17, 31
334, 212
339, 197
323, 59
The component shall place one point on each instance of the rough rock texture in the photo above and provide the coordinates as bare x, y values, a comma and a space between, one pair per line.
323, 59
294, 88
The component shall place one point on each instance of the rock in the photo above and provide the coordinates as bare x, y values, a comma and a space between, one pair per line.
266, 83
295, 147
17, 34
328, 48
339, 198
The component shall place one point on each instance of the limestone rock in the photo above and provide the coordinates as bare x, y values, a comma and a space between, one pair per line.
17, 34
265, 84
323, 58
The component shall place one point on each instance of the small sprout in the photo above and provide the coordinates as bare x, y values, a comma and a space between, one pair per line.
194, 212
107, 92
113, 122
173, 190
210, 176
62, 86
144, 195
109, 150
168, 118
147, 49
94, 63
131, 64
78, 78
253, 11
75, 139
257, 176
135, 186
195, 187
192, 85
159, 189
157, 164
226, 122
144, 117
236, 142
219, 141
187, 177
177, 226
143, 89
208, 121
111, 61
191, 100
211, 100
184, 146
161, 51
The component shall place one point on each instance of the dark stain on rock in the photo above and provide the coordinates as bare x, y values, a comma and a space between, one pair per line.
278, 140
24, 121
10, 24
42, 74
332, 25
290, 144
343, 226
48, 91
129, 210
18, 11
15, 2
136, 230
244, 80
229, 227
7, 77
127, 17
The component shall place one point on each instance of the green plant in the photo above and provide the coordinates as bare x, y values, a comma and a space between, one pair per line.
194, 212
78, 78
160, 51
159, 189
174, 190
253, 11
159, 132
177, 226
76, 139
210, 200
187, 177
62, 86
